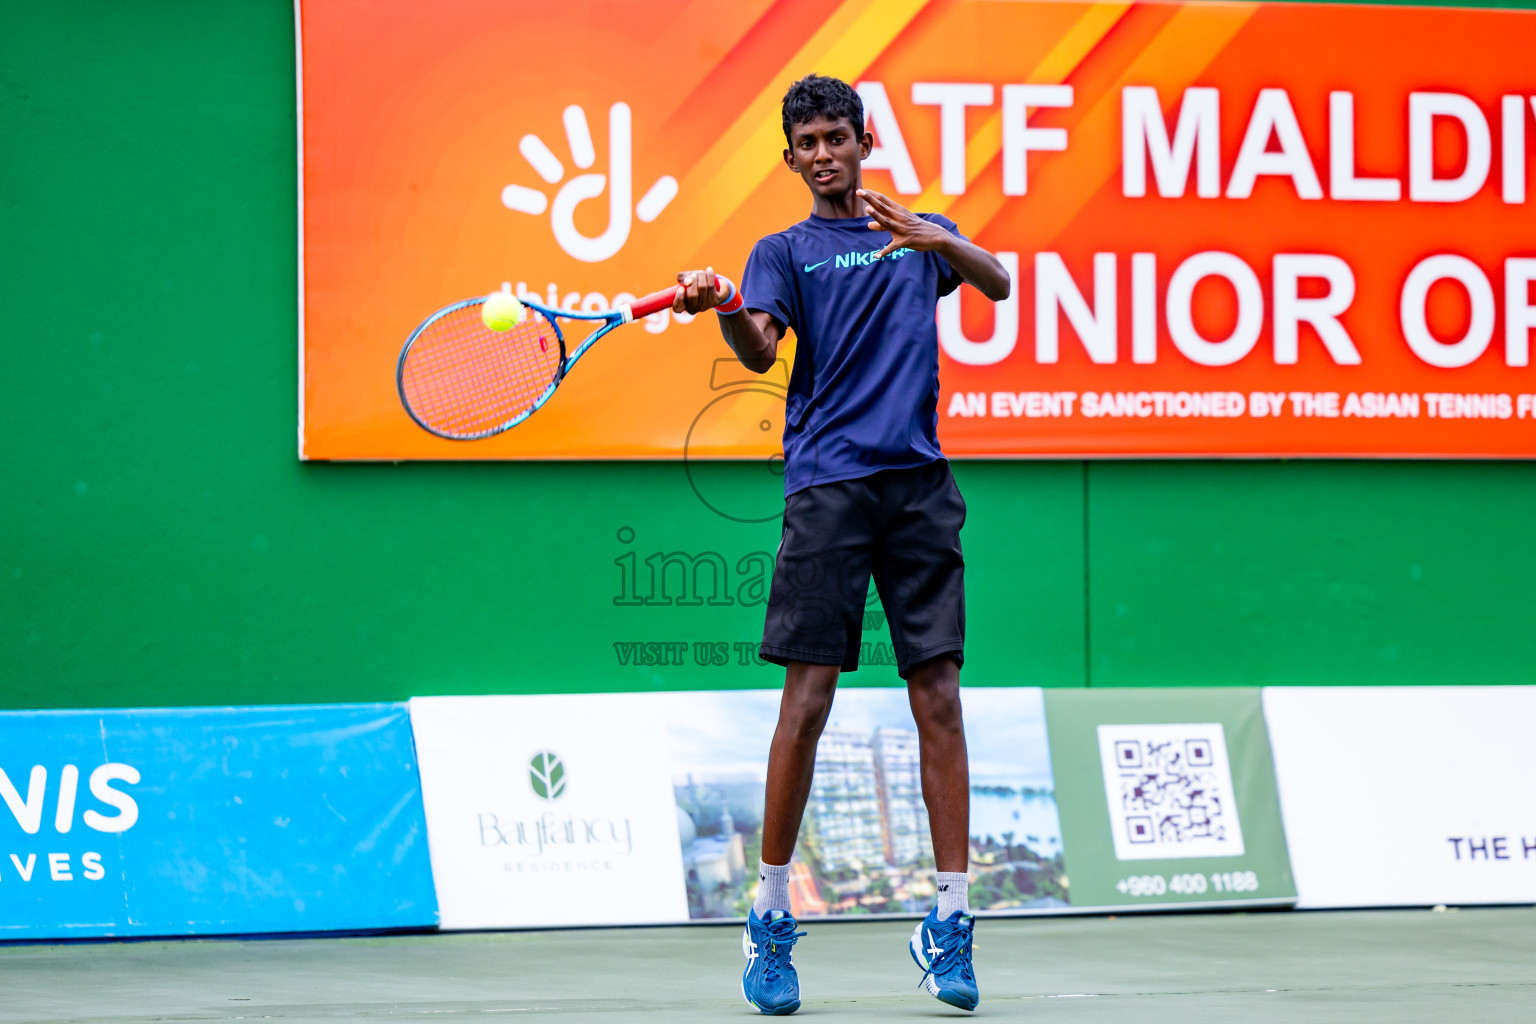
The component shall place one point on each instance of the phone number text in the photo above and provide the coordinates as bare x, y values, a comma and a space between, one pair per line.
1188, 885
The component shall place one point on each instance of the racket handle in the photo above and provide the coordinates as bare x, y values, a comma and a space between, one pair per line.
657, 301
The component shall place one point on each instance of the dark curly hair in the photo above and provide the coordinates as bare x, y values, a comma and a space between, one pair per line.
819, 96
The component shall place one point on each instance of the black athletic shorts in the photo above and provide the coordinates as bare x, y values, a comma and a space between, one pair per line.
902, 526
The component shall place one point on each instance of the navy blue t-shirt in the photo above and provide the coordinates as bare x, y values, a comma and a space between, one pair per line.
864, 392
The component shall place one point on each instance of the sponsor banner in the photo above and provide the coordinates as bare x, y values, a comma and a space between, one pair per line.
1168, 798
206, 821
1216, 248
1402, 796
648, 808
549, 810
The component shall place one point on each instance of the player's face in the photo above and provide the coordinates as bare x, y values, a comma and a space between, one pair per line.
826, 154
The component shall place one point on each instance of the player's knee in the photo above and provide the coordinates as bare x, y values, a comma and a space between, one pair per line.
940, 713
935, 704
804, 715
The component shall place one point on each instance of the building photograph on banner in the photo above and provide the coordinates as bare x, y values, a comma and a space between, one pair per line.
1168, 797
1215, 248
864, 845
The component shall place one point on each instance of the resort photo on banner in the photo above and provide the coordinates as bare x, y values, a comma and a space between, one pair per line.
864, 846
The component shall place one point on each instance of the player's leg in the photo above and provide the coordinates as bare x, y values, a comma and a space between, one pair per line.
933, 687
803, 711
941, 944
919, 571
815, 615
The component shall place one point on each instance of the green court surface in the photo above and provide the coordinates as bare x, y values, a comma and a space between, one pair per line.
1399, 966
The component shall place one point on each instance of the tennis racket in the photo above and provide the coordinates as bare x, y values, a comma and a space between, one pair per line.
462, 381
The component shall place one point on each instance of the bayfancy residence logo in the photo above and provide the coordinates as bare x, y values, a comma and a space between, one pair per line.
546, 773
618, 182
547, 839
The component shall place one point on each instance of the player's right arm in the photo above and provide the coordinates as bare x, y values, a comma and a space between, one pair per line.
752, 334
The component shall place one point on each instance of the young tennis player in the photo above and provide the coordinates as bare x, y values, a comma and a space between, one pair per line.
867, 492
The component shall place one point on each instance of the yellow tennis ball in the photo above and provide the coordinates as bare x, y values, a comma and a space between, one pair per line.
501, 311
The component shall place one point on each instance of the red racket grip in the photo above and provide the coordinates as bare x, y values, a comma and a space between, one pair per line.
657, 301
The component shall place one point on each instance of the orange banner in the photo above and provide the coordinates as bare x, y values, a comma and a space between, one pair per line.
1234, 229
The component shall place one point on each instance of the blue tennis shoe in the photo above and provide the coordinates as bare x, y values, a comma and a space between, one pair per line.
769, 983
943, 950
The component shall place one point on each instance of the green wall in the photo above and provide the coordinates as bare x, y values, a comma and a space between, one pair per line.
160, 544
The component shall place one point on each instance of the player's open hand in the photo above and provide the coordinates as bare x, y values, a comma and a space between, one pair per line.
908, 230
697, 291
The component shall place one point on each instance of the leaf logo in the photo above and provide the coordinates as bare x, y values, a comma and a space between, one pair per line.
546, 773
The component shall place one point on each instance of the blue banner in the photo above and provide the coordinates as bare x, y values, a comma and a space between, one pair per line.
211, 820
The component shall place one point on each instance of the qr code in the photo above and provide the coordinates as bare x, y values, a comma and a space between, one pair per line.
1170, 791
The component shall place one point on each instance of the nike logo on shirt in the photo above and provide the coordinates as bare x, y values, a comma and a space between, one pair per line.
859, 258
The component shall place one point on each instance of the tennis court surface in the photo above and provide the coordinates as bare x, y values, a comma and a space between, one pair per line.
1400, 966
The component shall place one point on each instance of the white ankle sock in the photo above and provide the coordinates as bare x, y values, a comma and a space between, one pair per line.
772, 888
954, 893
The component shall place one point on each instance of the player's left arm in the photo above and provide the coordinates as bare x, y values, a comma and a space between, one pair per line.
975, 265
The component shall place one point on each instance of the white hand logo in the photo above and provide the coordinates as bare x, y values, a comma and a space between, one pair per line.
588, 186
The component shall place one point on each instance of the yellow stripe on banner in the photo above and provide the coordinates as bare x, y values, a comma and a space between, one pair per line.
844, 47
1053, 69
1174, 58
